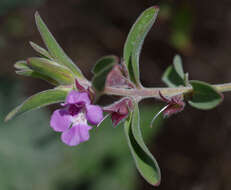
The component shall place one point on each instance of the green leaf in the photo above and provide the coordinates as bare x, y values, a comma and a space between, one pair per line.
171, 77
204, 95
34, 74
37, 101
174, 75
135, 39
54, 49
104, 62
25, 70
145, 162
57, 72
101, 70
21, 65
40, 50
177, 62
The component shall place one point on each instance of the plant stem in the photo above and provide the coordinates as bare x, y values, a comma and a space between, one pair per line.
223, 87
154, 92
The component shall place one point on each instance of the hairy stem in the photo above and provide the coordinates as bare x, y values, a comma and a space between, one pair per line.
154, 92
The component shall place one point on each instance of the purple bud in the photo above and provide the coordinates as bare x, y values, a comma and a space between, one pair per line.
119, 110
174, 105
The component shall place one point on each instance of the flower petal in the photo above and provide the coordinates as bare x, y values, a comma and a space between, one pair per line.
94, 114
76, 135
60, 120
75, 97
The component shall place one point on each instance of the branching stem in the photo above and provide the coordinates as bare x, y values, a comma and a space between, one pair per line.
154, 92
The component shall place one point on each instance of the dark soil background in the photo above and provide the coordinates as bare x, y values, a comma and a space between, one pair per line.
194, 149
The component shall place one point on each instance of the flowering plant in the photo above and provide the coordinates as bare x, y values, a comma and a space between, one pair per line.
112, 76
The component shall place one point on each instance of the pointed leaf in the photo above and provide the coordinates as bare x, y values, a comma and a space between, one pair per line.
31, 73
40, 50
21, 65
145, 162
135, 41
25, 70
204, 95
51, 69
54, 49
37, 101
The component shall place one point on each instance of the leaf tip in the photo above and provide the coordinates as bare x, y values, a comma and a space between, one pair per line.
36, 14
37, 18
8, 117
157, 183
31, 43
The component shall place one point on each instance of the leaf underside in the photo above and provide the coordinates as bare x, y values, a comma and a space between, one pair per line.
135, 39
144, 160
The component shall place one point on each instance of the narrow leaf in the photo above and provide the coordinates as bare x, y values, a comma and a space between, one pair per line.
54, 49
34, 74
145, 162
21, 65
37, 101
51, 69
135, 41
204, 96
40, 50
104, 62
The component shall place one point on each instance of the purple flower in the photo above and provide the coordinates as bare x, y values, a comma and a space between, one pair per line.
72, 119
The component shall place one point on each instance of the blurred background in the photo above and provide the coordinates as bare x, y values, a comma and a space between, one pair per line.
193, 148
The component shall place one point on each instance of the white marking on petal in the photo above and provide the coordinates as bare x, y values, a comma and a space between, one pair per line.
80, 118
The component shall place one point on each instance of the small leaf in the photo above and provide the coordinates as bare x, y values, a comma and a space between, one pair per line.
101, 70
135, 41
54, 49
177, 62
145, 162
40, 50
174, 75
171, 78
204, 95
51, 69
37, 101
104, 62
34, 74
25, 70
21, 65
